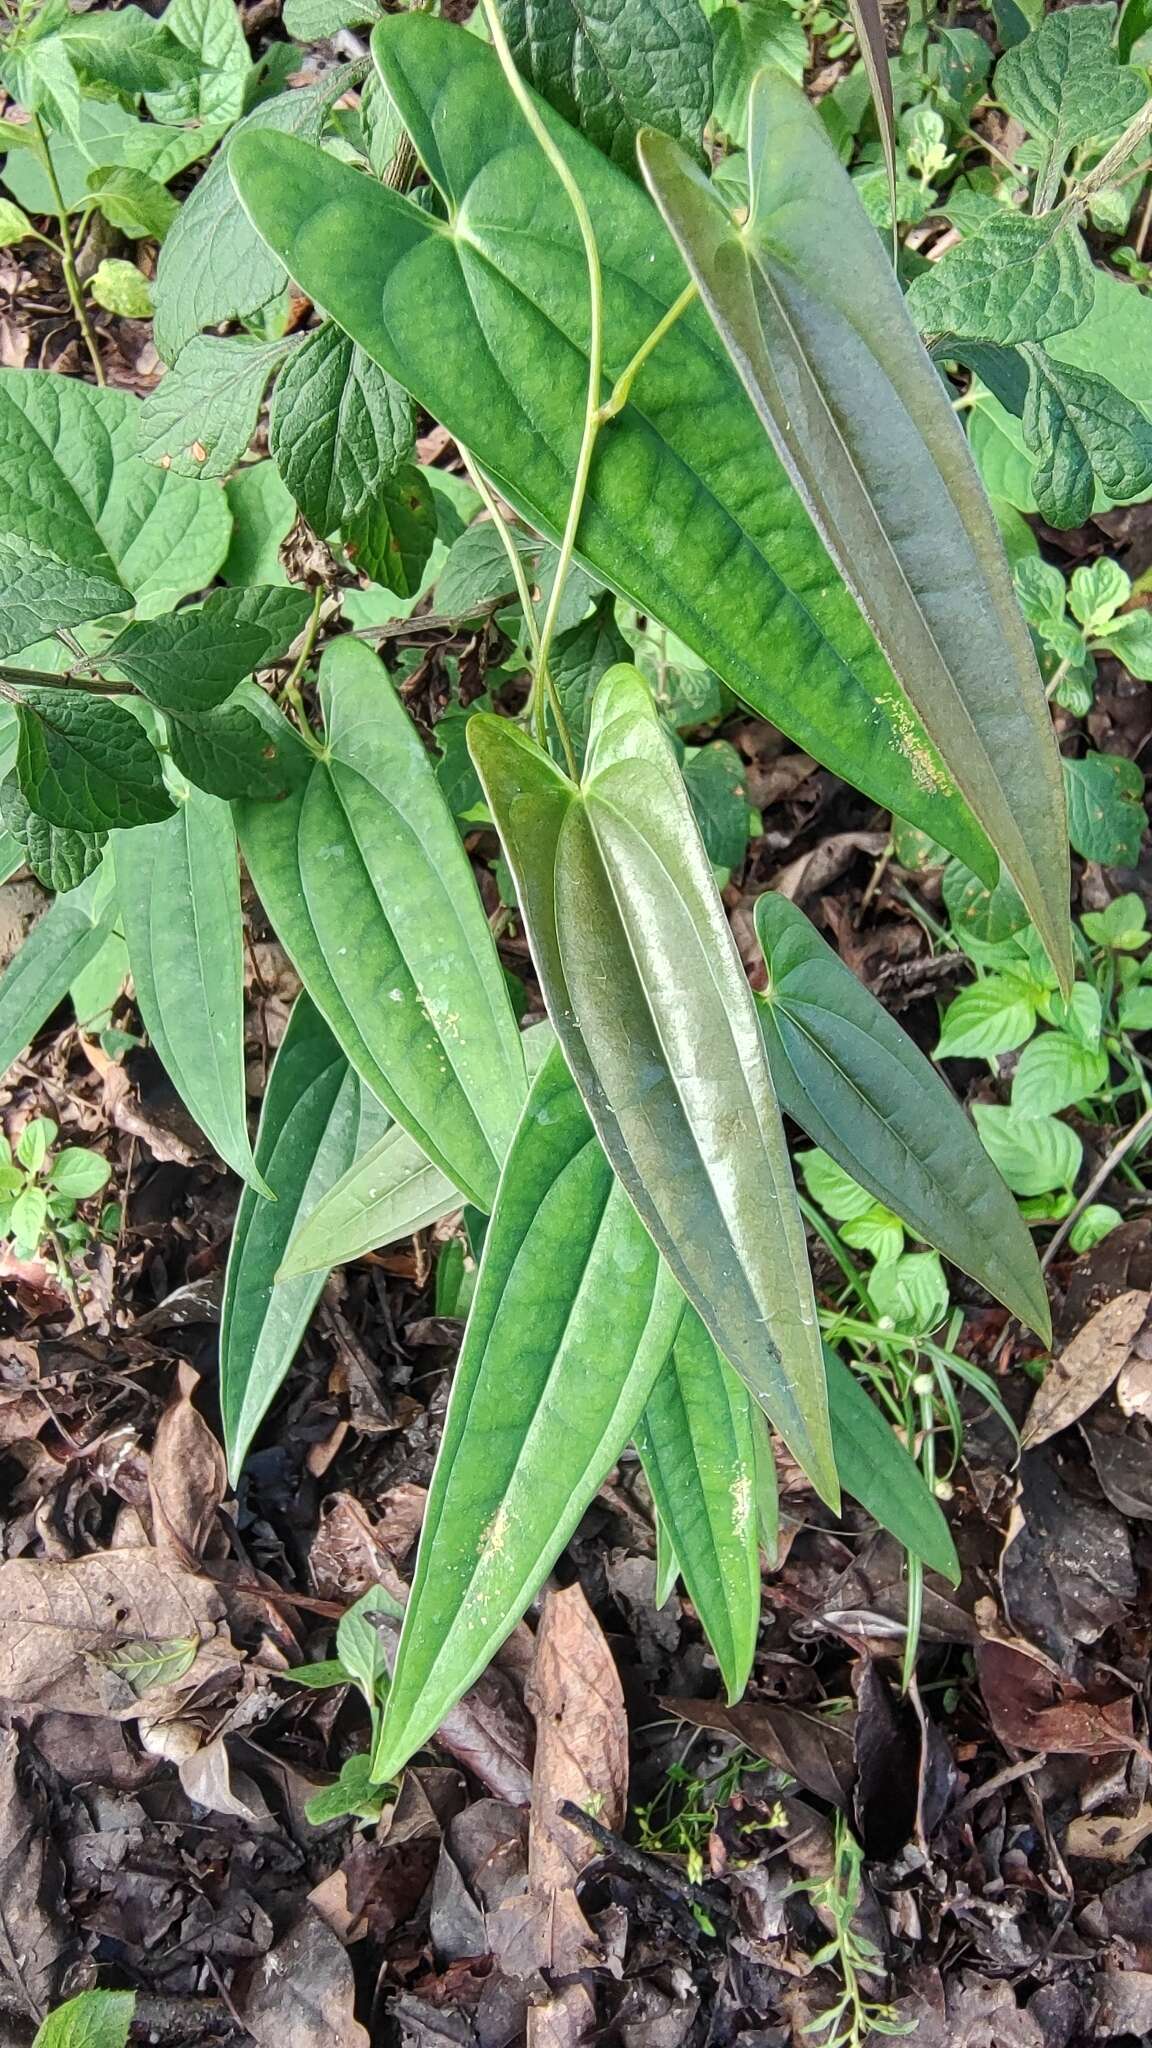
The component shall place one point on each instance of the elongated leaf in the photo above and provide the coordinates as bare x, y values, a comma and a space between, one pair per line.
179, 890
868, 22
573, 1316
650, 1002
698, 1450
391, 1192
363, 875
317, 1116
485, 321
856, 1083
61, 944
877, 1471
813, 317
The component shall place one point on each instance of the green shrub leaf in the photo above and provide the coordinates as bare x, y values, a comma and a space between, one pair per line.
1106, 820
1035, 1154
877, 1471
59, 946
340, 428
1065, 84
616, 67
202, 415
242, 749
190, 661
93, 2019
86, 763
1015, 280
1082, 430
62, 859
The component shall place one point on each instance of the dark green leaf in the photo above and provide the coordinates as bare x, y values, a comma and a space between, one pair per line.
689, 513
991, 915
340, 428
62, 859
126, 49
1082, 429
478, 571
93, 2019
244, 749
614, 66
698, 1450
748, 36
573, 1316
201, 417
807, 304
1003, 370
877, 1471
1106, 819
651, 1004
192, 660
715, 778
1066, 84
370, 891
856, 1083
391, 538
179, 890
86, 763
54, 567
316, 1118
58, 947
578, 659
1015, 279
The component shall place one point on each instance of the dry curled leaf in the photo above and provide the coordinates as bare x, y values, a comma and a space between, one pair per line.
303, 1993
187, 1477
34, 1938
1033, 1705
1086, 1368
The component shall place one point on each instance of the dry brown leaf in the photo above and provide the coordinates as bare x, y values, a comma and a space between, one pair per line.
303, 1994
1086, 1368
187, 1477
121, 1633
1107, 1837
1033, 1705
817, 1753
34, 1938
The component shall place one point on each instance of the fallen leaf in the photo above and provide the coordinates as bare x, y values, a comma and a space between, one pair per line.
187, 1477
118, 1633
1032, 1705
817, 1753
34, 1937
1086, 1368
303, 1993
1123, 2004
1107, 1837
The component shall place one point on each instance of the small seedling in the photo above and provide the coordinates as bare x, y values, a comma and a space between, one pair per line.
39, 1191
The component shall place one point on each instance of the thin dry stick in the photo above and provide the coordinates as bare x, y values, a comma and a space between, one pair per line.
1120, 1150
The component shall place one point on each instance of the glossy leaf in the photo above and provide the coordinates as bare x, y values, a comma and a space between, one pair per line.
877, 1471
809, 308
317, 1116
363, 875
573, 1316
191, 660
339, 427
698, 1450
62, 942
650, 1002
689, 514
616, 66
393, 1191
179, 891
858, 1086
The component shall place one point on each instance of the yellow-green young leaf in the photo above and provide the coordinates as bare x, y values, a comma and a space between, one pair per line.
93, 2019
651, 1004
805, 300
14, 223
877, 1471
119, 287
698, 1448
317, 1117
179, 891
856, 1083
573, 1316
484, 319
364, 877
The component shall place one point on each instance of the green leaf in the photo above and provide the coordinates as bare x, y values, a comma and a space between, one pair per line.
912, 1291
393, 1191
1130, 640
86, 763
62, 942
244, 749
354, 1795
1015, 280
391, 539
263, 515
1081, 430
1034, 1153
131, 201
179, 890
1122, 926
992, 1016
340, 428
14, 223
1054, 1072
1097, 590
214, 267
878, 1472
93, 2019
477, 570
640, 973
61, 859
78, 1173
856, 1083
1106, 819
806, 302
1097, 1221
164, 535
120, 287
312, 21
978, 912
698, 1450
213, 94
578, 659
616, 66
127, 50
316, 1118
201, 417
32, 1146
192, 660
1135, 1011
749, 36
716, 780
573, 1316
360, 1646
689, 514
1065, 84
28, 1217
370, 892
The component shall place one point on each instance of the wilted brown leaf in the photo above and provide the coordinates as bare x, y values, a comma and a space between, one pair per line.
1086, 1368
1033, 1705
120, 1633
34, 1938
303, 1993
1108, 1837
187, 1477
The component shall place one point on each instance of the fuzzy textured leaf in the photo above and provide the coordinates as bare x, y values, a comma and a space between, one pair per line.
1016, 279
192, 660
651, 1004
340, 428
612, 67
202, 415
1065, 83
1082, 430
86, 763
569, 1276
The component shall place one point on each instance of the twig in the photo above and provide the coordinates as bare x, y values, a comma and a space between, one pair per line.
1120, 1150
664, 1875
72, 282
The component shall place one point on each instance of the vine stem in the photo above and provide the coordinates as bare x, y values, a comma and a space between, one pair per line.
68, 255
1102, 174
509, 546
290, 688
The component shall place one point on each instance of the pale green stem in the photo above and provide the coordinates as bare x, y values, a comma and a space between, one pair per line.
68, 253
515, 560
622, 388
290, 688
1104, 172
